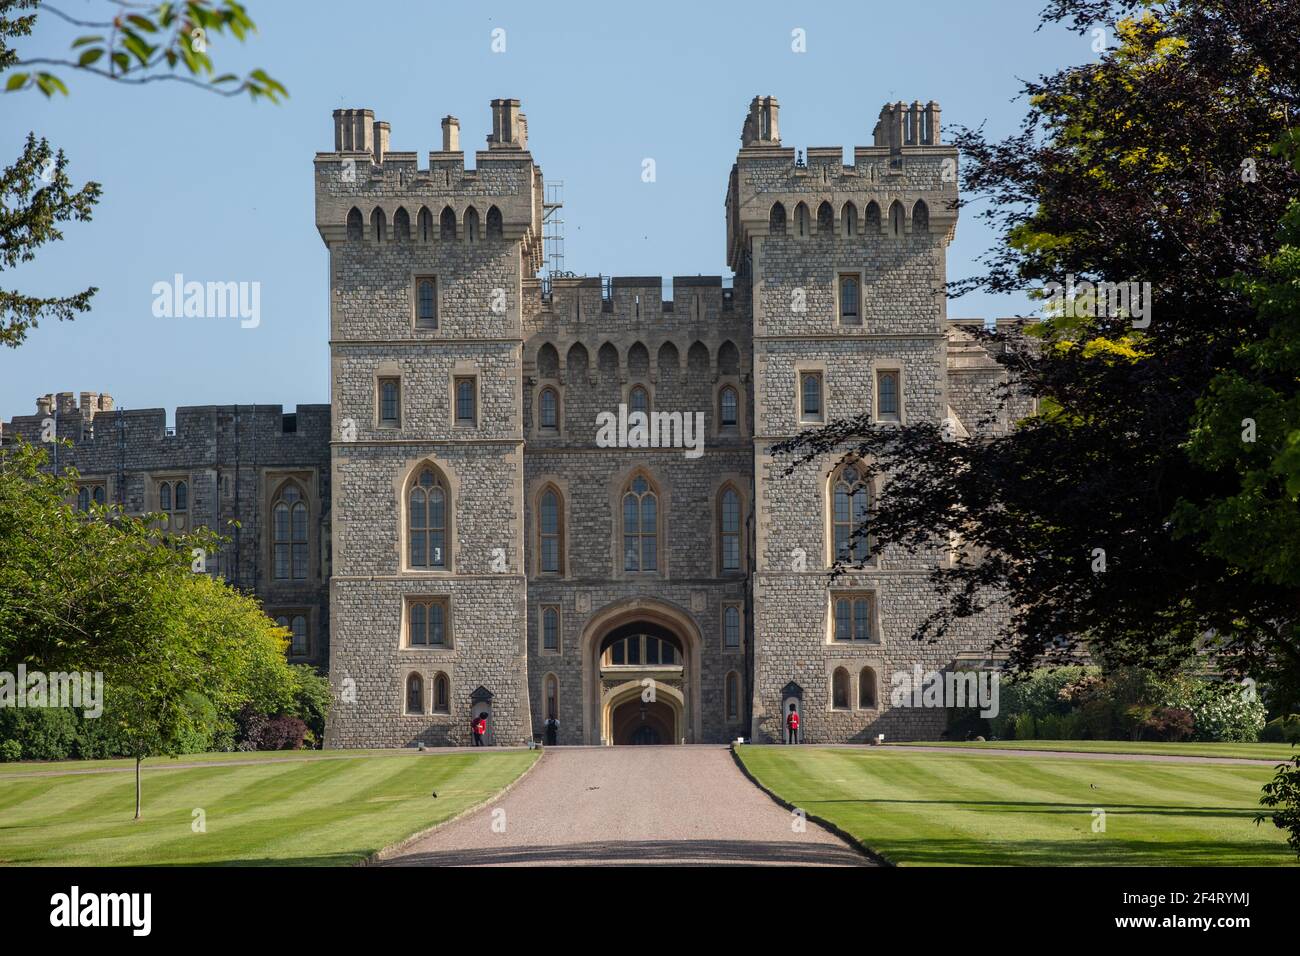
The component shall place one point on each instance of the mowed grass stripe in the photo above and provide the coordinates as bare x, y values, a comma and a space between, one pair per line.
327, 797
952, 809
318, 812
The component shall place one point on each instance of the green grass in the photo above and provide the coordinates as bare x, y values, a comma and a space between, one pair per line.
947, 809
1278, 752
314, 812
159, 763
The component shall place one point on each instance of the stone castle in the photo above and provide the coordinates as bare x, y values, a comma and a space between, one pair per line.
455, 535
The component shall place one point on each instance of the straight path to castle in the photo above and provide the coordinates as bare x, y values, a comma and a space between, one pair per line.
627, 806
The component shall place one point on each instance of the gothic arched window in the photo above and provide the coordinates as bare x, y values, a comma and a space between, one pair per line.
840, 689
550, 532
849, 503
552, 695
289, 534
640, 526
548, 409
775, 220
414, 694
638, 400
441, 695
728, 407
867, 688
427, 506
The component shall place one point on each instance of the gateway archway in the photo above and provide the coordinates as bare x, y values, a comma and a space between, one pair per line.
641, 659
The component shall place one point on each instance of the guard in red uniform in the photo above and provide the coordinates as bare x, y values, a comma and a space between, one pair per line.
480, 728
792, 725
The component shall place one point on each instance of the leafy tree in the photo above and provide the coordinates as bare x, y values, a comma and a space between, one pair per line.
1168, 162
181, 653
142, 44
1247, 430
1283, 794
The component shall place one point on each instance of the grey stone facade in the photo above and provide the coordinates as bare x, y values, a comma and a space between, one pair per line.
583, 347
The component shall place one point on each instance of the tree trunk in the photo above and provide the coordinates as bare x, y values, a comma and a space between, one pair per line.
137, 787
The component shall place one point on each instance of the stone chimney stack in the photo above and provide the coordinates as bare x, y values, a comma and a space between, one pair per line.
65, 402
761, 125
382, 130
354, 131
45, 404
508, 132
930, 132
89, 405
450, 134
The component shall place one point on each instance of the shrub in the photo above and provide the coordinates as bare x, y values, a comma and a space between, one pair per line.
283, 733
1049, 727
1024, 727
965, 723
1172, 723
1284, 729
1072, 726
260, 732
1039, 694
1282, 793
10, 750
1221, 711
44, 733
1098, 718
312, 697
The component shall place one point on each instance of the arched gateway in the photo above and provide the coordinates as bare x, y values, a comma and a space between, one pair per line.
640, 667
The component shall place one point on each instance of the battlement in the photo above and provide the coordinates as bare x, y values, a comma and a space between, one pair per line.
902, 186
902, 125
611, 303
143, 426
65, 403
366, 191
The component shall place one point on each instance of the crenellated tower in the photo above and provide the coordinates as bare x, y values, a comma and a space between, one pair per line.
846, 264
427, 266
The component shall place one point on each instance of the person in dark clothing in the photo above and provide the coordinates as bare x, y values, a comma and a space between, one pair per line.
552, 730
792, 725
480, 729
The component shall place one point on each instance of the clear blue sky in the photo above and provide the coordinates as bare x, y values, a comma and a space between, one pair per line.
221, 189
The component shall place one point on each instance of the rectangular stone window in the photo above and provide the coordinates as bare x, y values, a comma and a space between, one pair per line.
888, 399
810, 397
426, 302
297, 624
731, 629
850, 299
428, 622
465, 395
853, 617
390, 402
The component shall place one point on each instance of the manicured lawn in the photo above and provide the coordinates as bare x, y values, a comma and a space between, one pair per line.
159, 763
320, 811
1278, 752
946, 809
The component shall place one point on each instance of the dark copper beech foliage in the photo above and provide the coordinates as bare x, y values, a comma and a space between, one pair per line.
1126, 168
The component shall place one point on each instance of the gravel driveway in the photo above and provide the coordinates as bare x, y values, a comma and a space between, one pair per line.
629, 806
